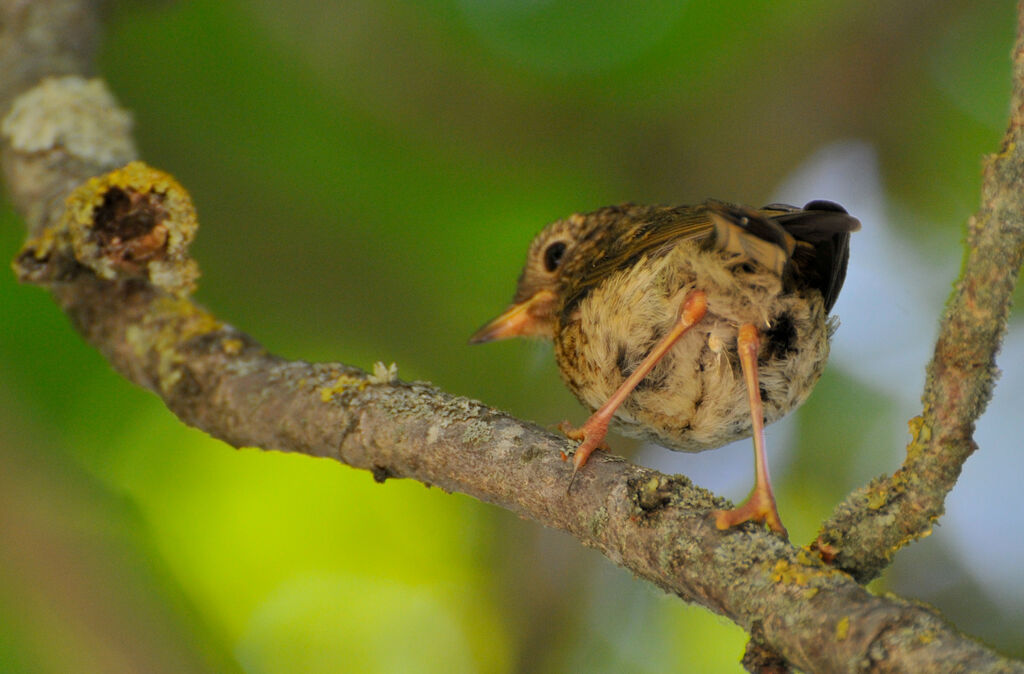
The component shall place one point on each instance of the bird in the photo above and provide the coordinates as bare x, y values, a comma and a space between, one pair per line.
688, 326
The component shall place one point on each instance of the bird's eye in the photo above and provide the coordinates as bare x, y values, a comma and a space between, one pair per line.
553, 255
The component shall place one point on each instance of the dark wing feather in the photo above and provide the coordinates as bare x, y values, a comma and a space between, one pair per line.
812, 243
822, 230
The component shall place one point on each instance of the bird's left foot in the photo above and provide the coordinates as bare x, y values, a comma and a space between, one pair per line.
591, 433
759, 507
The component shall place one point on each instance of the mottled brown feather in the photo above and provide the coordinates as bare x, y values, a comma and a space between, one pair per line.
819, 260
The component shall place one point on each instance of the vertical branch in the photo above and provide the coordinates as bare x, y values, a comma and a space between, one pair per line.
875, 521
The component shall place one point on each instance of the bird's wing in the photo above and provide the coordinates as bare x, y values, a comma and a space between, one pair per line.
647, 231
822, 230
811, 242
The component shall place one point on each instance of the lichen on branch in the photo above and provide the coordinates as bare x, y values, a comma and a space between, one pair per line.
133, 222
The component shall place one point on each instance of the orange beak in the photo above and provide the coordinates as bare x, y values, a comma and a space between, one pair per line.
524, 319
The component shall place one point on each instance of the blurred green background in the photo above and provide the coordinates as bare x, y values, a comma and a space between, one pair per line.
368, 176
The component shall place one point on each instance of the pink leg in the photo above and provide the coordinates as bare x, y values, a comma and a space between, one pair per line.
760, 505
593, 431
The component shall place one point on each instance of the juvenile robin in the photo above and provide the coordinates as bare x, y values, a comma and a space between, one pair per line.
689, 326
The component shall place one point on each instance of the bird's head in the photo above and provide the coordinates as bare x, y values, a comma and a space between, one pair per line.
539, 293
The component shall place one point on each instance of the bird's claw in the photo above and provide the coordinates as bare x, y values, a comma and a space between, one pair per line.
591, 434
759, 507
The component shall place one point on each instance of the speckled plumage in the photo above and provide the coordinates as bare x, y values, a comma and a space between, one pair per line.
694, 398
625, 271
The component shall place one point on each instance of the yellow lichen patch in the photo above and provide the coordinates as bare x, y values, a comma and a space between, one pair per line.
843, 628
914, 425
653, 494
1007, 151
189, 320
877, 498
29, 264
345, 382
787, 574
920, 431
920, 434
814, 558
909, 538
170, 324
926, 637
135, 176
781, 568
805, 558
231, 345
133, 222
44, 244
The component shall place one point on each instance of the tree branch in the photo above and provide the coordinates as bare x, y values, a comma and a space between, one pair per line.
875, 521
114, 256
